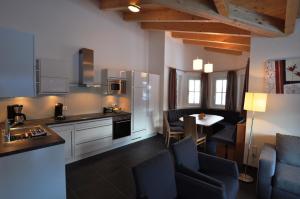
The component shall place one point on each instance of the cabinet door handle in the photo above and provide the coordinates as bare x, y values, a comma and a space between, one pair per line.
118, 122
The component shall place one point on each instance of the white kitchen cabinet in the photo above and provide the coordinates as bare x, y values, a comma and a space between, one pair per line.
92, 136
139, 100
16, 64
36, 174
154, 120
86, 138
67, 133
111, 74
52, 77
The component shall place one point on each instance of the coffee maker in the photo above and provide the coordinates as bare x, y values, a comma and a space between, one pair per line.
58, 111
15, 115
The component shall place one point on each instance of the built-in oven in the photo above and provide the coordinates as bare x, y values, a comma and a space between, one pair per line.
121, 126
116, 87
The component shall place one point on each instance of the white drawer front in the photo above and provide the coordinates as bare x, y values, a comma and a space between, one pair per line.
93, 123
58, 128
92, 146
91, 134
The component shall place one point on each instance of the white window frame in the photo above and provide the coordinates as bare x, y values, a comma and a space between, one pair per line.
188, 90
214, 80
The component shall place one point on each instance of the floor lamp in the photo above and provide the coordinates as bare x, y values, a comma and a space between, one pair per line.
255, 102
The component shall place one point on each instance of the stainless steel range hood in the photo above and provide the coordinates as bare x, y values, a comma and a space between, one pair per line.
86, 68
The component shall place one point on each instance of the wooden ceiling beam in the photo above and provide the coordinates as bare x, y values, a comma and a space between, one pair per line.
239, 17
242, 18
218, 45
292, 7
225, 51
213, 38
212, 28
163, 15
222, 7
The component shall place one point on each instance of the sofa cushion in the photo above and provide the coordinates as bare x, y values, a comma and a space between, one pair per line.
186, 154
287, 178
201, 176
280, 194
288, 149
226, 135
231, 184
176, 129
155, 178
177, 123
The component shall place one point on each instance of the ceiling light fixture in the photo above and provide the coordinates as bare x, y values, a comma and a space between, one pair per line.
208, 68
197, 64
134, 8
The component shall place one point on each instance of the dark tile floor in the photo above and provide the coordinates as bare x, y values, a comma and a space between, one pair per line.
108, 176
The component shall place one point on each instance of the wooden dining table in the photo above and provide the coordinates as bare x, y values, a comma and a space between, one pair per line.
207, 121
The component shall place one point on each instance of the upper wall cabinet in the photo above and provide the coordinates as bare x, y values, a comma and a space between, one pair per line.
16, 64
52, 77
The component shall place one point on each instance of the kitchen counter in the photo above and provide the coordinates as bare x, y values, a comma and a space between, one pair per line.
9, 148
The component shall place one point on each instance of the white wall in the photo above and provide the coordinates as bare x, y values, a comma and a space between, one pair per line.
180, 56
283, 111
61, 28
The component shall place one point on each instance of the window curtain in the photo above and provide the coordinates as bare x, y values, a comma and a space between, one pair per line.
172, 89
279, 75
204, 90
246, 85
231, 90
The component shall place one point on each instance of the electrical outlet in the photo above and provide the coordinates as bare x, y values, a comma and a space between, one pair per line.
65, 108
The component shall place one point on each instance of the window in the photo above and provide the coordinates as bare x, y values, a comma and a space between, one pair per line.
220, 92
194, 91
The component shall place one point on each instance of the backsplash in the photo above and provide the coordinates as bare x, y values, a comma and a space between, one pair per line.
79, 101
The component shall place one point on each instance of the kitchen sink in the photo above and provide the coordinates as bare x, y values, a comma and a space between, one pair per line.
24, 133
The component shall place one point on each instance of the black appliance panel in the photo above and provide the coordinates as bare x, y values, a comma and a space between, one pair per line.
121, 126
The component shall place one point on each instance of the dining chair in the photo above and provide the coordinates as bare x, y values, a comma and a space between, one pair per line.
191, 129
169, 132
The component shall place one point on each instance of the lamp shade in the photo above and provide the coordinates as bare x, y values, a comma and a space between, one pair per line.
208, 68
134, 8
255, 102
197, 64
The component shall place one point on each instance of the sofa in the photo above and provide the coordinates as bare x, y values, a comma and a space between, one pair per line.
156, 179
279, 169
229, 132
216, 172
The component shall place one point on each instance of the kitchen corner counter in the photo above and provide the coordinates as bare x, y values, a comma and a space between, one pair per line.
20, 146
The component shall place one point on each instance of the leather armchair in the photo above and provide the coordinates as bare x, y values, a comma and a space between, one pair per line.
207, 168
156, 179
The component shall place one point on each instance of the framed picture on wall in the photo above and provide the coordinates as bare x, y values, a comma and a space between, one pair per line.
292, 71
282, 76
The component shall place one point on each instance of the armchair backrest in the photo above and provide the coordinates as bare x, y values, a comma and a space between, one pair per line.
186, 154
190, 127
288, 149
155, 178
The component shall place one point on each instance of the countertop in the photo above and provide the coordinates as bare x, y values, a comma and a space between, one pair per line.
21, 146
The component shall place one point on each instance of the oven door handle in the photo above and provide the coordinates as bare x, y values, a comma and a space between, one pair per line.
123, 121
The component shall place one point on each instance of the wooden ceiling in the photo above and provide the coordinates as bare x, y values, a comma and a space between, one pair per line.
222, 26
